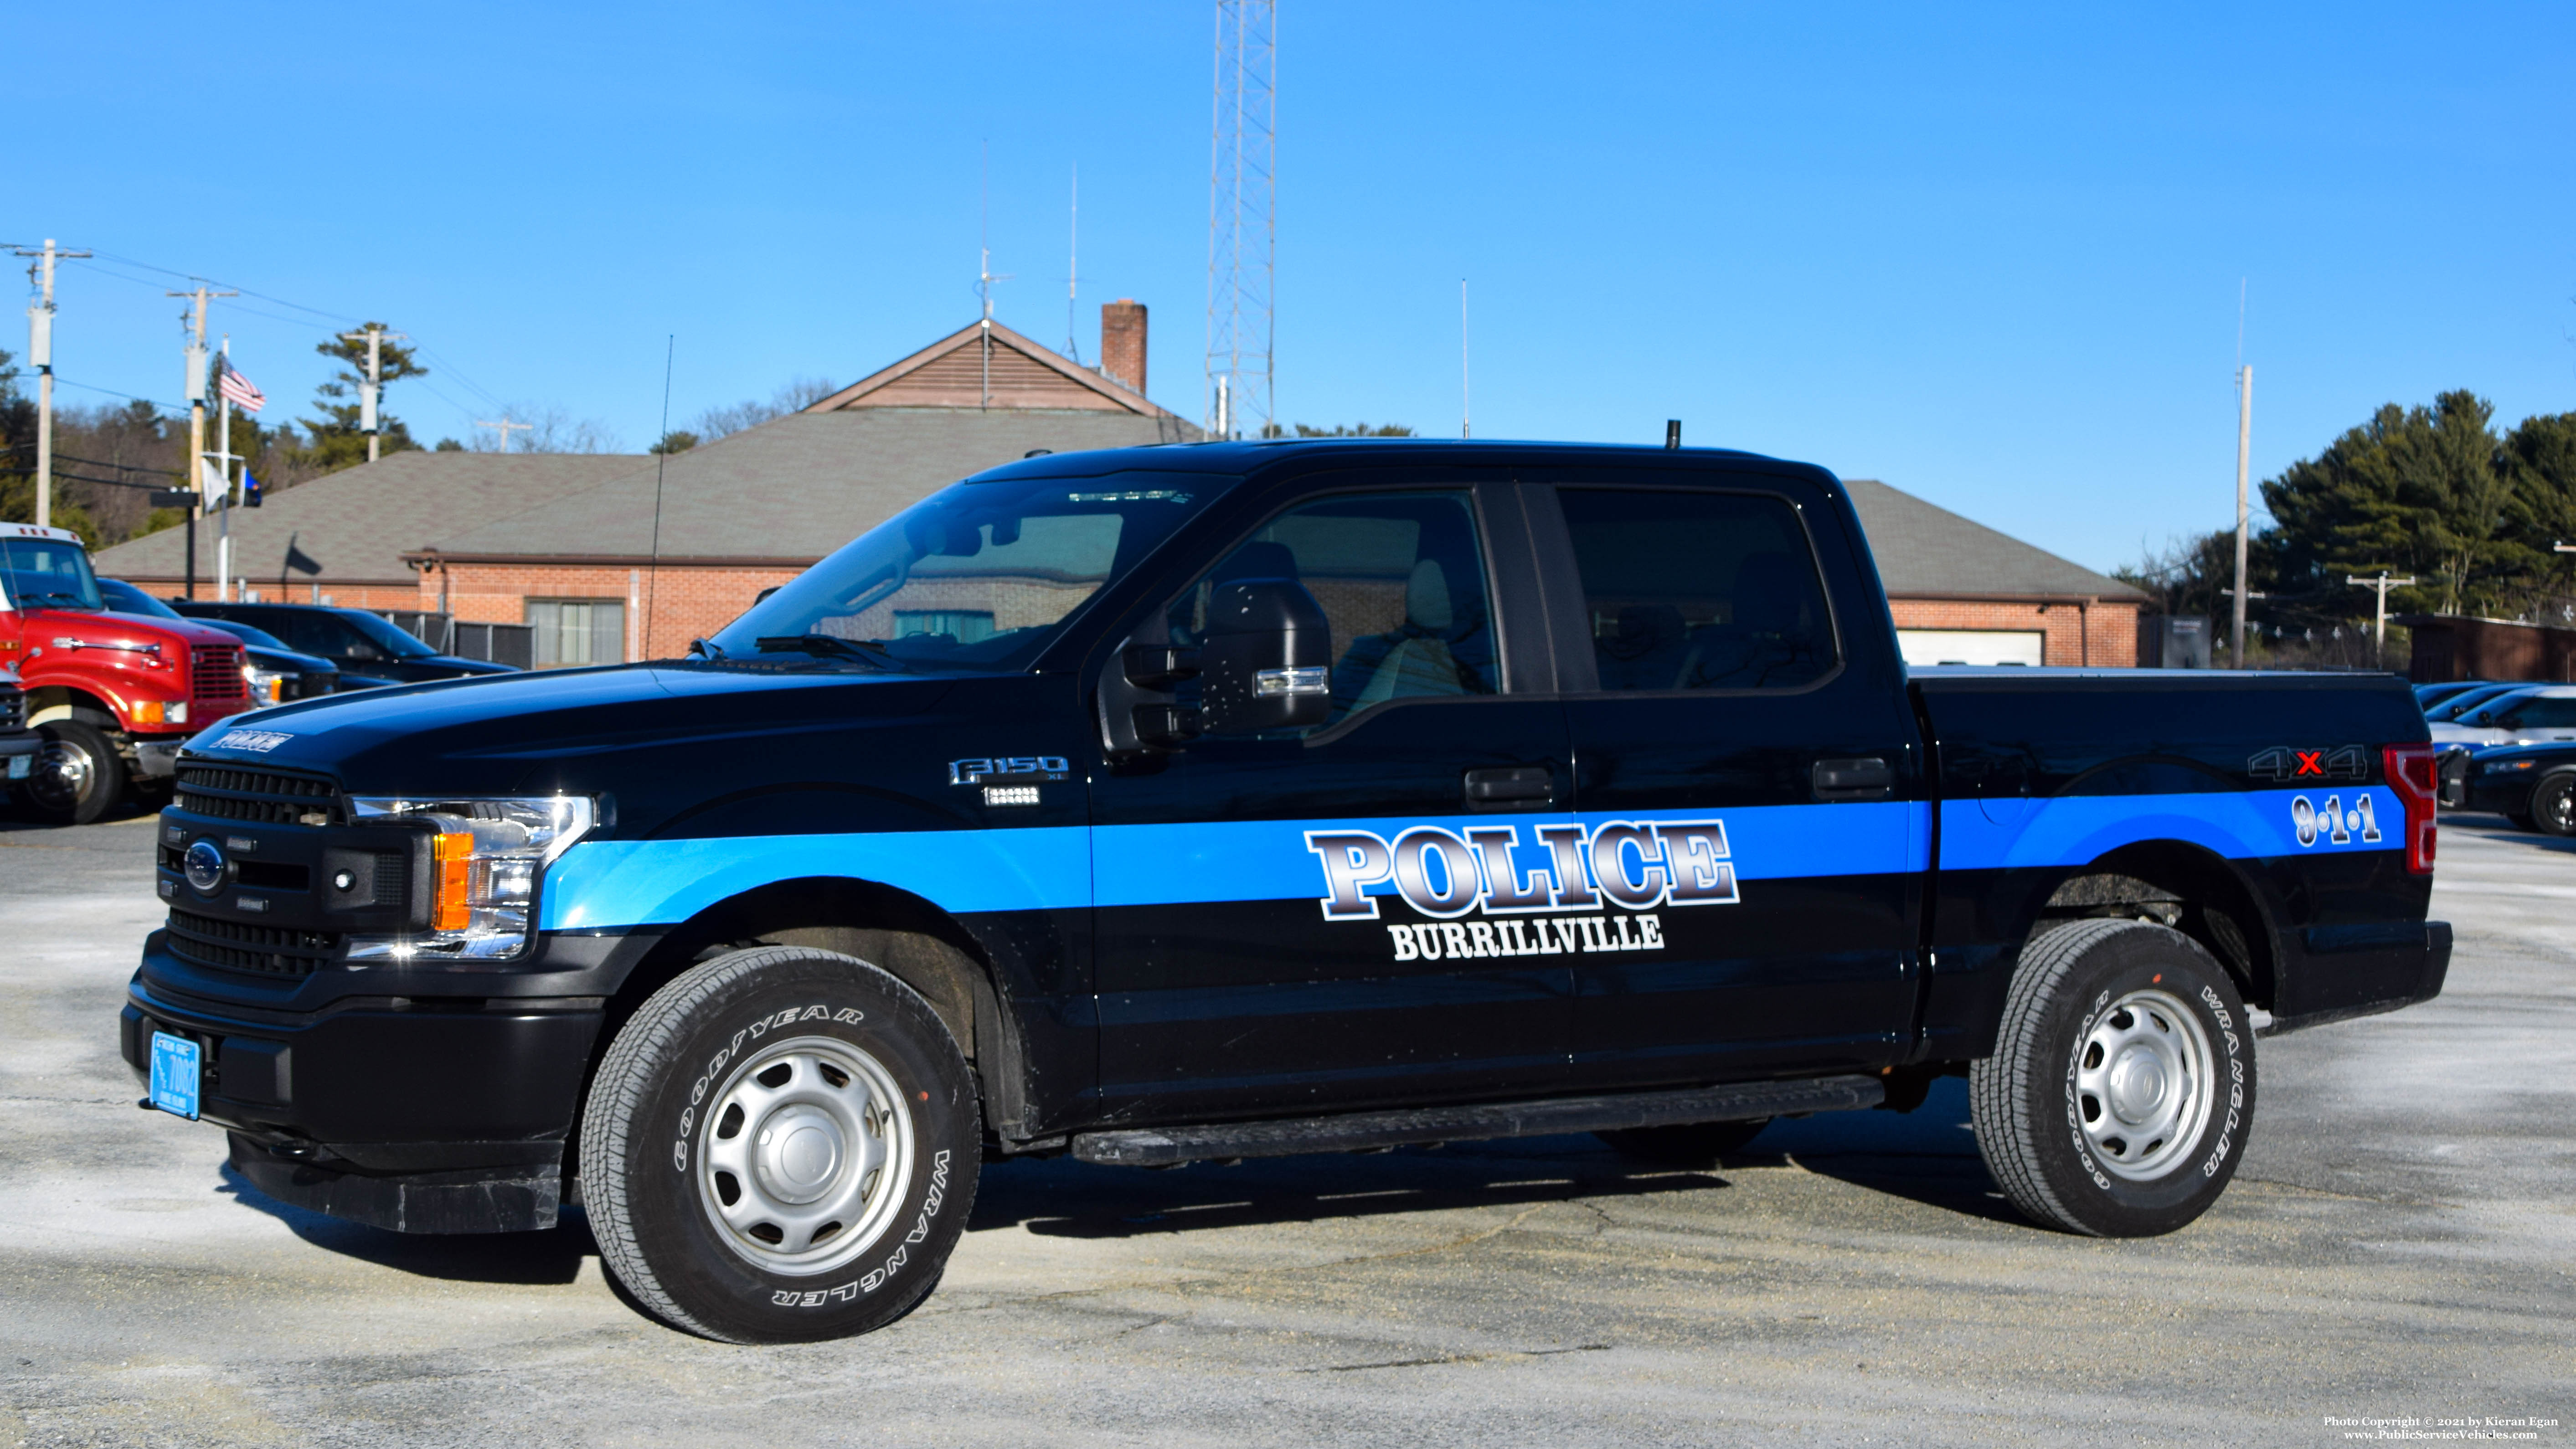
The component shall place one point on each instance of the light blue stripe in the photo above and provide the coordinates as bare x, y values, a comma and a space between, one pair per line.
613, 883
2016, 834
655, 882
1267, 860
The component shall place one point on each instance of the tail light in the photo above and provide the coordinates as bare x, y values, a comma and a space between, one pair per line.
2414, 774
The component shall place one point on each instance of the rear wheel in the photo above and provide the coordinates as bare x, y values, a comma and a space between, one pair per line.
2553, 805
780, 1146
1697, 1144
2122, 1084
77, 777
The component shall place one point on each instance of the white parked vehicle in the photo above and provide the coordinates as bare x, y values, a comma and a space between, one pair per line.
2546, 712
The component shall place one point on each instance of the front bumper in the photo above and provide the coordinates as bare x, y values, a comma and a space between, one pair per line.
416, 1114
158, 759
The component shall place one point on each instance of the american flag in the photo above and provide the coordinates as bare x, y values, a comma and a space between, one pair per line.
239, 391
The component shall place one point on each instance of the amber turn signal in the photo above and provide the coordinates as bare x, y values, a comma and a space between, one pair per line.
452, 857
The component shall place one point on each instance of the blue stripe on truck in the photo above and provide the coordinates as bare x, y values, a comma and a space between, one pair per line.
611, 883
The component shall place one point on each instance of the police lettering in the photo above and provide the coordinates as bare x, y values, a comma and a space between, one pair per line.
1634, 865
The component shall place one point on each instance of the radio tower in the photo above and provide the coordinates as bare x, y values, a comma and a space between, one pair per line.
1242, 222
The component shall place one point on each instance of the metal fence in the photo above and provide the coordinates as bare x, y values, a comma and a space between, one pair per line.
511, 644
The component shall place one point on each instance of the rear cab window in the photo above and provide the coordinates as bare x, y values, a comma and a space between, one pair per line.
1686, 589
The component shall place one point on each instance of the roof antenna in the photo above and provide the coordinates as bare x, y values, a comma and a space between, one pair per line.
1672, 432
1073, 266
661, 460
1466, 412
984, 277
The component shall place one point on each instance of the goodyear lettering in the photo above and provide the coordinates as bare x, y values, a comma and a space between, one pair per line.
1444, 875
876, 1277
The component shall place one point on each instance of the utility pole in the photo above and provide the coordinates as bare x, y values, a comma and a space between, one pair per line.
371, 392
40, 355
2383, 583
1073, 266
196, 395
2244, 446
504, 426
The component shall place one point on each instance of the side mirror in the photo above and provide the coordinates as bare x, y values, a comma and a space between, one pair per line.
1139, 712
1266, 660
2484, 716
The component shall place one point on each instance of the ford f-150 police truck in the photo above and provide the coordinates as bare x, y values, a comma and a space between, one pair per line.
1203, 802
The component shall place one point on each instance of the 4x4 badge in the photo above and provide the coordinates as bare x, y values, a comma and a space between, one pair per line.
2289, 762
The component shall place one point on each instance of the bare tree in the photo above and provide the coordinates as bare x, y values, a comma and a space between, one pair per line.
548, 429
795, 395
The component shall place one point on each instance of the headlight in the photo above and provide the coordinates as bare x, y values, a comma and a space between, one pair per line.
485, 862
266, 687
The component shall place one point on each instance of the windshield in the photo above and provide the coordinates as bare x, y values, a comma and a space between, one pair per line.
2470, 703
976, 576
44, 573
247, 634
125, 598
385, 636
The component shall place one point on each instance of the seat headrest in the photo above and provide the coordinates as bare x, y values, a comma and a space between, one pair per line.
1427, 604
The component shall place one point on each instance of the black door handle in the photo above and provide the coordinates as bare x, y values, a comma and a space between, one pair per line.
1863, 779
1501, 789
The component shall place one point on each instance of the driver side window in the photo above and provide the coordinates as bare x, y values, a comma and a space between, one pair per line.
1401, 579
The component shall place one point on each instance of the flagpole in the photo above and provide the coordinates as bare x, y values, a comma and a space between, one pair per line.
224, 519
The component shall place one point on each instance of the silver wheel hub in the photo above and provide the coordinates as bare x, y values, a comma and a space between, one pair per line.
2143, 1084
803, 1155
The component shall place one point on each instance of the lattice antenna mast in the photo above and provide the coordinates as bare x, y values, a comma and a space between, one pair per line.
1242, 218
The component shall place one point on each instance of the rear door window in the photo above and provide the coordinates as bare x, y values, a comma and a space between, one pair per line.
1690, 590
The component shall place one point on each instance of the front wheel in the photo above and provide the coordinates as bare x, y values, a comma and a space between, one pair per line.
2121, 1089
780, 1146
77, 777
2553, 805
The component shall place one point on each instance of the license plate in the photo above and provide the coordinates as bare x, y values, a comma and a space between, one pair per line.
177, 1066
20, 766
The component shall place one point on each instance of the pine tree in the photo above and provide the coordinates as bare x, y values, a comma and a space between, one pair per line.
2422, 491
335, 439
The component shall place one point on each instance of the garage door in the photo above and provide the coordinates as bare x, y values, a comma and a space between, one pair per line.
1972, 646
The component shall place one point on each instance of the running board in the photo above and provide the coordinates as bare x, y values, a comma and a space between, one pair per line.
1365, 1131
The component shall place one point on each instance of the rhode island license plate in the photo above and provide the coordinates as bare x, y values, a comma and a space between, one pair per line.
177, 1065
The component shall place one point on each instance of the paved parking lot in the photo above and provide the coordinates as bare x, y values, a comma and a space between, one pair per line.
2400, 1242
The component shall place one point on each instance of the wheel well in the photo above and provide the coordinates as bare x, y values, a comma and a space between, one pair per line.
52, 702
2187, 888
899, 933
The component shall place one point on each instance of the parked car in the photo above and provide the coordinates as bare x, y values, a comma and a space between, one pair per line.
2429, 695
2450, 710
2526, 715
19, 746
2533, 785
1188, 804
355, 641
275, 673
113, 694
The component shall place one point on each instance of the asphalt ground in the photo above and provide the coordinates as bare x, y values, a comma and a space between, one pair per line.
2398, 1244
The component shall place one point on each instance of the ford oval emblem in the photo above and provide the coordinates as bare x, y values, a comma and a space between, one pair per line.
205, 863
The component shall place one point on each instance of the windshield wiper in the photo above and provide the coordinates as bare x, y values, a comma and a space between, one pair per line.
862, 650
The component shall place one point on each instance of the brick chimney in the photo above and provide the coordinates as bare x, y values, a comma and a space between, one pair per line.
1122, 341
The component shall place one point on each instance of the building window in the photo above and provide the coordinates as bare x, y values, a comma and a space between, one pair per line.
966, 626
578, 631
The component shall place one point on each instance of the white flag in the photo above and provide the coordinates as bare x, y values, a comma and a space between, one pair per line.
211, 483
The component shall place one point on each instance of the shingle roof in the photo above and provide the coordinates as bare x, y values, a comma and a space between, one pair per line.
1927, 550
358, 523
796, 487
957, 372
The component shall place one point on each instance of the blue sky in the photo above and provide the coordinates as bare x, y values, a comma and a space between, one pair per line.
1989, 257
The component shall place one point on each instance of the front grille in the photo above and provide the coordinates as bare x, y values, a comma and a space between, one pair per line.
262, 797
218, 670
237, 946
313, 686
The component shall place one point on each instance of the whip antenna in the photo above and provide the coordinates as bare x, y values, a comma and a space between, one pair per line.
661, 460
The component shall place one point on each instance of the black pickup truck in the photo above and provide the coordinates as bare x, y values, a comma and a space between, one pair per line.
1204, 802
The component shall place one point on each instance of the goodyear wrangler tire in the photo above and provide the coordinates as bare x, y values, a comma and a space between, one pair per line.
2122, 1086
780, 1146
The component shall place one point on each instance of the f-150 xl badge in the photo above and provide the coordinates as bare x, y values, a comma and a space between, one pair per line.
1603, 870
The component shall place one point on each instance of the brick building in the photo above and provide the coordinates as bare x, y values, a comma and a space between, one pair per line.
1963, 593
628, 556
